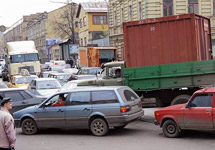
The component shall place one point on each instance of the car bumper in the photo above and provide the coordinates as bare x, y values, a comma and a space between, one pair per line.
124, 119
156, 123
17, 123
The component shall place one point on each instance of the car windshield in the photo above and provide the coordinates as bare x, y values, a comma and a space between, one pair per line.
25, 80
94, 71
48, 84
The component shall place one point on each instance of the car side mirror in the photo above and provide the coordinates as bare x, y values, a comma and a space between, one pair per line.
187, 105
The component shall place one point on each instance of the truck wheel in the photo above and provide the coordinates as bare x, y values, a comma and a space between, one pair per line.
181, 99
170, 129
99, 127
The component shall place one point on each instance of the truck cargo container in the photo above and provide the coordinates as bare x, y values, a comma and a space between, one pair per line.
166, 40
167, 59
95, 56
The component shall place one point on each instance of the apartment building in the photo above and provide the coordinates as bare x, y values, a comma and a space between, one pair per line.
128, 10
92, 22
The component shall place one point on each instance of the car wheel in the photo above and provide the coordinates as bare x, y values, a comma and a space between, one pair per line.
99, 127
170, 129
29, 127
120, 127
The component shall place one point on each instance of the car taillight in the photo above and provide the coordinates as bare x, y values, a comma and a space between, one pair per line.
140, 104
124, 109
56, 63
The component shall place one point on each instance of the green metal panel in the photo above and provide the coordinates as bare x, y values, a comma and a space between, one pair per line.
188, 74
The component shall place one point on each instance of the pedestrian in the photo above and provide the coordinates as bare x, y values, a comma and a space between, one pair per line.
7, 128
71, 62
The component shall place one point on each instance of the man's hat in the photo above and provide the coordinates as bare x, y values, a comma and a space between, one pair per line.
5, 100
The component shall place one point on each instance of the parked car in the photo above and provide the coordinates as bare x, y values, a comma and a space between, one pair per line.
73, 84
90, 70
197, 114
70, 70
97, 108
18, 81
20, 97
81, 77
44, 86
61, 77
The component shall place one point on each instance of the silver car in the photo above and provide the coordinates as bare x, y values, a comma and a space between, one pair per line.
98, 109
44, 86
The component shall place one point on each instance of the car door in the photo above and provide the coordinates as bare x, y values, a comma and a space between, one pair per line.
19, 102
51, 116
78, 110
198, 114
32, 87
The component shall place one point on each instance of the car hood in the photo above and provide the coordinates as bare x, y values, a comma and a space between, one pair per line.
47, 92
24, 111
174, 107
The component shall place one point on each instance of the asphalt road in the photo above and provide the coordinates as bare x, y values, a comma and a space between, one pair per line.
138, 135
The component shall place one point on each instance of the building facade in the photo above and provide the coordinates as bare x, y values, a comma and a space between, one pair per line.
36, 32
92, 22
129, 10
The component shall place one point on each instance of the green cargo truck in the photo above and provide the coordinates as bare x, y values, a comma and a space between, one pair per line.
170, 83
167, 59
159, 84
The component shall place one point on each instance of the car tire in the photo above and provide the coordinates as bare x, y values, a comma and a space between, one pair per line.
3, 78
170, 129
29, 127
181, 99
99, 127
120, 127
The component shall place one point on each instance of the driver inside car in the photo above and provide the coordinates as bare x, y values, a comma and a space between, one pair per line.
60, 101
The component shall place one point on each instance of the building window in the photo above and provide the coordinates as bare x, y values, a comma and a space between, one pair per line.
130, 13
140, 11
167, 7
193, 6
214, 7
85, 21
213, 47
76, 24
122, 15
114, 19
85, 41
99, 19
80, 23
81, 42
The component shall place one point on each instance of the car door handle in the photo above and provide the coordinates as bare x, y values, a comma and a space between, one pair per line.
60, 110
86, 109
24, 102
208, 111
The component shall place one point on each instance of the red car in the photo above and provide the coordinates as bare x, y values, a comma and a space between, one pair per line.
197, 114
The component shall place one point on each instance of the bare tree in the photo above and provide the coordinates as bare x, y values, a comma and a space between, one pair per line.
64, 23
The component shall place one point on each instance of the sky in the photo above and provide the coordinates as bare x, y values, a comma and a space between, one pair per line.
12, 10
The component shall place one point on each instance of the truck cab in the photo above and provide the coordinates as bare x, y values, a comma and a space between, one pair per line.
112, 74
108, 76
